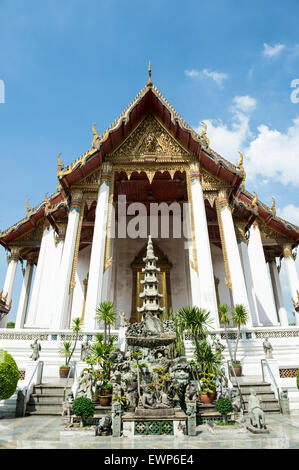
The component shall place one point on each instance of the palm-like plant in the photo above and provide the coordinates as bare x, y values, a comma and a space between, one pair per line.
195, 321
240, 316
106, 312
67, 351
210, 362
224, 320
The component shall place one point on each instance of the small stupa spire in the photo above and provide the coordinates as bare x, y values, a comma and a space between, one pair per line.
149, 82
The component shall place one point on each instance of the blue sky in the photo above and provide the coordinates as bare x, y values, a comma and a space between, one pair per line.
66, 65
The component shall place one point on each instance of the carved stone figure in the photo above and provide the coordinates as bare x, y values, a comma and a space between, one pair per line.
116, 419
104, 426
268, 349
123, 320
148, 399
237, 405
256, 415
129, 386
191, 393
191, 418
67, 406
86, 383
84, 350
218, 346
284, 401
36, 349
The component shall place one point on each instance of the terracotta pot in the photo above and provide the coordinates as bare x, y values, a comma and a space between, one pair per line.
106, 391
105, 400
63, 372
207, 398
238, 370
95, 399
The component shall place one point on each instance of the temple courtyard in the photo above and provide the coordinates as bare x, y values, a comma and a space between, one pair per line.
48, 432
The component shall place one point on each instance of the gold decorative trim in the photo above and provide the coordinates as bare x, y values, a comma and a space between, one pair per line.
228, 280
194, 262
108, 259
76, 250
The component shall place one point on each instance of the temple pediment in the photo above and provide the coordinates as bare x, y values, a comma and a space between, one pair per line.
148, 140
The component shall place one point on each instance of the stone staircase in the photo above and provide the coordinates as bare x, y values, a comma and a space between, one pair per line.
46, 399
264, 392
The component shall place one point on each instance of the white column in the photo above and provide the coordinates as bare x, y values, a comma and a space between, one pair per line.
66, 264
25, 293
292, 274
202, 243
243, 249
231, 254
10, 281
193, 279
261, 280
277, 291
32, 312
96, 267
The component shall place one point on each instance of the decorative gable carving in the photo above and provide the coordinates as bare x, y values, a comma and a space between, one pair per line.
149, 139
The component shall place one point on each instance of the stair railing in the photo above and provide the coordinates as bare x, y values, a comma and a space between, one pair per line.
230, 367
38, 371
72, 368
272, 379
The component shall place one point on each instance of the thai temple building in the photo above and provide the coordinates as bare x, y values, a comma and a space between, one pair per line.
149, 173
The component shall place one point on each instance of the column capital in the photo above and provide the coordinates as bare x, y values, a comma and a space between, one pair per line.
77, 197
31, 259
195, 174
287, 251
61, 225
106, 173
241, 235
223, 198
14, 254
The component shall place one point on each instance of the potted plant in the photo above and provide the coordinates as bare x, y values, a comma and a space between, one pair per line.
107, 313
95, 397
224, 406
240, 316
67, 350
83, 408
106, 394
207, 390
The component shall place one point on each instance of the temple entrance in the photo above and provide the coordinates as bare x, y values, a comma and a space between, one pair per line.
164, 281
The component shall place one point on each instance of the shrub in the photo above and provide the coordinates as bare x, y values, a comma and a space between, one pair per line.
10, 324
84, 408
224, 406
9, 375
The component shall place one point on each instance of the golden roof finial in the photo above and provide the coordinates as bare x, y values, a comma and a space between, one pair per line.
28, 208
273, 209
240, 162
254, 201
48, 204
95, 138
204, 136
60, 164
149, 82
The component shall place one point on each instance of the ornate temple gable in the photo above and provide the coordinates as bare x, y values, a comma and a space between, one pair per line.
269, 234
149, 139
32, 237
211, 182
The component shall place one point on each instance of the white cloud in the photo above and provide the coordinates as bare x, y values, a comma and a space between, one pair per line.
244, 103
272, 51
270, 154
217, 77
290, 213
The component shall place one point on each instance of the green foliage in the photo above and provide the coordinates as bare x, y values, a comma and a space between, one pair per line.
10, 324
83, 407
195, 321
240, 315
177, 348
66, 351
99, 353
224, 406
122, 399
298, 379
106, 312
207, 382
9, 375
209, 361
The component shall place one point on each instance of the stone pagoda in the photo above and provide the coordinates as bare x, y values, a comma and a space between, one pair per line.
150, 294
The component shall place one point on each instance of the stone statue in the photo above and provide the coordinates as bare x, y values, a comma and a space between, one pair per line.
123, 320
190, 393
67, 406
284, 401
116, 419
129, 386
36, 349
162, 400
218, 346
104, 426
268, 349
191, 418
86, 383
256, 415
237, 405
148, 399
84, 350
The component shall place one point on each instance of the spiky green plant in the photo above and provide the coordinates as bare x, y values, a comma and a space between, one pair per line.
240, 317
224, 319
196, 321
107, 313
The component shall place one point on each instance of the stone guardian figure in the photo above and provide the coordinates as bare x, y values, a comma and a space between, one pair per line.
36, 349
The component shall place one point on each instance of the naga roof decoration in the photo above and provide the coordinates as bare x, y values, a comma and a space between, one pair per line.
197, 144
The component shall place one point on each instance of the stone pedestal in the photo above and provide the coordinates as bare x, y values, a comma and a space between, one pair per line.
116, 419
169, 421
191, 418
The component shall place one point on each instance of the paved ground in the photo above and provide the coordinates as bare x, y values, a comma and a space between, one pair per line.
36, 432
